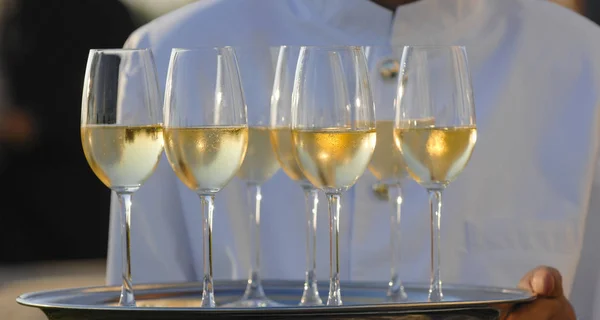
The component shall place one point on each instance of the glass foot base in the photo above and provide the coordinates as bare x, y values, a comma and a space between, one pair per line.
253, 303
311, 302
311, 297
398, 295
396, 292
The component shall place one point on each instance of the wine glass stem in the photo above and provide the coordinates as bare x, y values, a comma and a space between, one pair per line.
435, 203
310, 296
335, 296
127, 297
254, 289
395, 289
208, 293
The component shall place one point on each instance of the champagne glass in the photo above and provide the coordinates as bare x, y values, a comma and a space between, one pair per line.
387, 164
281, 138
121, 131
435, 83
333, 130
206, 131
260, 163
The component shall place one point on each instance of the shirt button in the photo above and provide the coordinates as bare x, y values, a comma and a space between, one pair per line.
389, 68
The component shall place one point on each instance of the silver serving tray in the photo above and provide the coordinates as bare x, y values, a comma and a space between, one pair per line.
362, 300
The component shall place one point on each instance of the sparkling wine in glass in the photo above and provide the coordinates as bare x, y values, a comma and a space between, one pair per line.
435, 84
333, 131
121, 132
206, 131
256, 65
387, 164
281, 138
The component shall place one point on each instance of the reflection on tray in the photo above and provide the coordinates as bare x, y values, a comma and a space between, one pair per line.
169, 303
361, 301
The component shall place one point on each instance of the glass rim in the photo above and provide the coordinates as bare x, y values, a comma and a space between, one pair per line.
119, 50
312, 47
199, 48
330, 47
228, 47
417, 45
269, 46
430, 46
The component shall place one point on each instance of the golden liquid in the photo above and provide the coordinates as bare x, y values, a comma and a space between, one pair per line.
206, 158
122, 157
281, 139
387, 164
333, 159
260, 163
436, 155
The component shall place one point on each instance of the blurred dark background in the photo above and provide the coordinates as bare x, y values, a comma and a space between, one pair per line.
53, 207
593, 10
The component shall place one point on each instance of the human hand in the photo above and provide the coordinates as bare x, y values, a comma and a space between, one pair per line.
550, 304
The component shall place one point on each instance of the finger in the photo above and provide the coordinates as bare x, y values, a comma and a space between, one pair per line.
543, 281
525, 282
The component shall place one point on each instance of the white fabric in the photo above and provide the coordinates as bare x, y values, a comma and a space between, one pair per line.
522, 201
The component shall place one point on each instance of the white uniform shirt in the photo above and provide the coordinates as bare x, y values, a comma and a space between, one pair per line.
522, 201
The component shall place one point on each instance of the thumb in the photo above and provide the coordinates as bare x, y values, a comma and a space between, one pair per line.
543, 281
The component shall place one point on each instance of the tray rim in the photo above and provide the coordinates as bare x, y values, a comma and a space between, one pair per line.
29, 299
